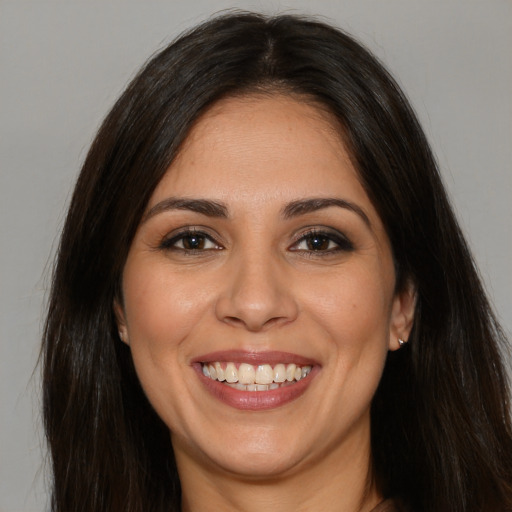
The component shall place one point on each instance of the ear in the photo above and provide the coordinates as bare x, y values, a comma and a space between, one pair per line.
402, 316
121, 322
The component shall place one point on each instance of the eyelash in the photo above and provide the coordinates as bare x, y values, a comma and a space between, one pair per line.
322, 236
172, 243
342, 243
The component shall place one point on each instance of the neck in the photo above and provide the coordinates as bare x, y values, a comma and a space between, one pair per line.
338, 481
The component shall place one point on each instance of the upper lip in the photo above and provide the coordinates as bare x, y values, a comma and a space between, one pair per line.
271, 357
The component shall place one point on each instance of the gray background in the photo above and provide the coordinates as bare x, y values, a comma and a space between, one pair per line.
62, 65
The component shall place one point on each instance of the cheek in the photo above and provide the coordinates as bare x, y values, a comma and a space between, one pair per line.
160, 313
354, 312
160, 306
353, 306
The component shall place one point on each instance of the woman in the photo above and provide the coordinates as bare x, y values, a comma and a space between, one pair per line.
262, 298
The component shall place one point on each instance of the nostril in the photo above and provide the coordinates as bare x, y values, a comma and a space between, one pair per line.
233, 320
255, 301
255, 325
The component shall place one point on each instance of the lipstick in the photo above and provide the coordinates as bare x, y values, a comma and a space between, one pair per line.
255, 381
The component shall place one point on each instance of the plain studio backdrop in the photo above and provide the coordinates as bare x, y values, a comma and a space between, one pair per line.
62, 65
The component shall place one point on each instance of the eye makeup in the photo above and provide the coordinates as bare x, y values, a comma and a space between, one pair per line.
322, 240
190, 240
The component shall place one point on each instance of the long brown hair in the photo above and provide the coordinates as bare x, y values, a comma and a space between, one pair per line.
441, 429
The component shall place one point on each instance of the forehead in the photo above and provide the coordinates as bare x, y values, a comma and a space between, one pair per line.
262, 142
267, 119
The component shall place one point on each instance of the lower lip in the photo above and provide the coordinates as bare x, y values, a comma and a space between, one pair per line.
255, 400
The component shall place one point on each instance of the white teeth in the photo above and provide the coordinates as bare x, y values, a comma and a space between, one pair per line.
249, 378
231, 373
220, 372
246, 373
256, 387
264, 374
290, 372
279, 373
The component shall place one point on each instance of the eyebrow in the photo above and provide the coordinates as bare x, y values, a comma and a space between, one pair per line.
304, 206
202, 206
211, 208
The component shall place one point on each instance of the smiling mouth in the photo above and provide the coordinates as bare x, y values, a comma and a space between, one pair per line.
248, 377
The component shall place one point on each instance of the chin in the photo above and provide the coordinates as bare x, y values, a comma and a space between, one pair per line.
253, 454
260, 466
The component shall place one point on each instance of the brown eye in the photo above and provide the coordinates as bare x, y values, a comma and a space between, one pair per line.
322, 242
318, 243
191, 241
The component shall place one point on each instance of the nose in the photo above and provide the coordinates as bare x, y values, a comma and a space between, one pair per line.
256, 295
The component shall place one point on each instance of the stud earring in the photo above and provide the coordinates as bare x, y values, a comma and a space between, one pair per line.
401, 342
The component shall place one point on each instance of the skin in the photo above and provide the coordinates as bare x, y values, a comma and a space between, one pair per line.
256, 284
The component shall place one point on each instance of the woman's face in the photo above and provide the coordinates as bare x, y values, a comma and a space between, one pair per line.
258, 294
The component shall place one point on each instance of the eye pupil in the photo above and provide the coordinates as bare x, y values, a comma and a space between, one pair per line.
192, 242
318, 243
